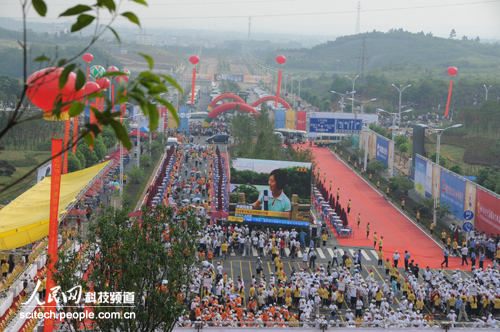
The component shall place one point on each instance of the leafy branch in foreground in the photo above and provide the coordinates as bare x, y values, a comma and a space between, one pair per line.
138, 260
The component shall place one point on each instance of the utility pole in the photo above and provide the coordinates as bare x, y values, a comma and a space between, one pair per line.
358, 23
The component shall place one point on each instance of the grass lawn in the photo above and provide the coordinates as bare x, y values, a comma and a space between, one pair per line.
11, 193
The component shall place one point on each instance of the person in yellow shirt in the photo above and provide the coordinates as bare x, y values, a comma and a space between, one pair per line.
455, 246
359, 320
448, 242
223, 248
392, 273
418, 216
280, 294
473, 305
403, 204
367, 230
251, 292
443, 236
374, 239
432, 228
405, 287
381, 243
387, 191
340, 299
496, 305
378, 183
411, 297
420, 304
324, 238
387, 266
359, 221
274, 251
5, 269
288, 301
370, 177
348, 263
380, 256
378, 297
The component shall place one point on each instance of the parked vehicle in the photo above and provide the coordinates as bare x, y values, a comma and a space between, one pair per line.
329, 139
218, 139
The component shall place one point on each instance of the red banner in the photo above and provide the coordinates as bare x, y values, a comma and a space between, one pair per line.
487, 213
55, 189
75, 133
301, 120
66, 144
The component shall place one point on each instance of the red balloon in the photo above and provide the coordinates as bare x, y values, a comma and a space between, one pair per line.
103, 83
91, 87
280, 59
122, 79
452, 71
194, 59
43, 89
87, 57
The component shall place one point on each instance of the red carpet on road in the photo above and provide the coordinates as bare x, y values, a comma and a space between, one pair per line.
399, 233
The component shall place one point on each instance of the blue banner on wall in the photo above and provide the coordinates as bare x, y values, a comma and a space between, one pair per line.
279, 119
322, 125
184, 120
420, 175
453, 193
276, 222
383, 151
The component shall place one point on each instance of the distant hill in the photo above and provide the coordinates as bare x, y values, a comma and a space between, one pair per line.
394, 47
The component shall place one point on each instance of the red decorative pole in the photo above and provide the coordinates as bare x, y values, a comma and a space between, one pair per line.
194, 59
55, 190
280, 59
452, 71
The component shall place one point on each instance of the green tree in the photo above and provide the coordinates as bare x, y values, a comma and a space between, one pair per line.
100, 148
489, 178
457, 168
145, 160
400, 183
109, 137
442, 208
134, 260
136, 175
327, 105
453, 34
81, 158
89, 156
376, 167
73, 163
442, 161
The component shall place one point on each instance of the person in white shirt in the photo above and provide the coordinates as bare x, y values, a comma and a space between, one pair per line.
452, 317
395, 257
349, 316
359, 307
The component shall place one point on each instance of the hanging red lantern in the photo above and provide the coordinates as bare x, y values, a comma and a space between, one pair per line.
194, 59
91, 87
280, 59
43, 90
452, 71
122, 79
87, 57
103, 83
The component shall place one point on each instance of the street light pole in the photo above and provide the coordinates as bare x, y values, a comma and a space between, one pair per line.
393, 141
365, 129
439, 132
400, 89
486, 88
362, 102
342, 106
352, 93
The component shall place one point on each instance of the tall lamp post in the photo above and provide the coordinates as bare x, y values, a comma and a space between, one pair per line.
400, 89
342, 106
439, 132
393, 128
486, 88
362, 102
353, 92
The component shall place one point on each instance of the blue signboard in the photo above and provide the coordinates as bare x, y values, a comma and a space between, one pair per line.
322, 125
468, 215
276, 222
348, 126
453, 193
279, 119
420, 175
184, 120
467, 226
382, 153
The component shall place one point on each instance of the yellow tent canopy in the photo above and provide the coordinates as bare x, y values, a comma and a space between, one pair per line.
26, 219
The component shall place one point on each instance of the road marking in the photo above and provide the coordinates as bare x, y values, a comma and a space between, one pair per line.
320, 253
365, 255
299, 254
330, 251
254, 252
287, 252
341, 252
352, 252
374, 253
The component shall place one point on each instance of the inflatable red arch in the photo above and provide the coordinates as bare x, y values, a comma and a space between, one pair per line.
227, 107
264, 99
224, 96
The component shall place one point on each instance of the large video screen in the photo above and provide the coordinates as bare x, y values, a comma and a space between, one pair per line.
276, 192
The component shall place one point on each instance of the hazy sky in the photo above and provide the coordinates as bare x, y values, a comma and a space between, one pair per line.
320, 17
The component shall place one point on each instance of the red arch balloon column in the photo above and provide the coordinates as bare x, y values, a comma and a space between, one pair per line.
194, 59
224, 96
452, 71
227, 107
280, 59
267, 98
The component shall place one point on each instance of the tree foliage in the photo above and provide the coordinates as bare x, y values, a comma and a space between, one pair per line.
136, 175
73, 163
376, 167
135, 260
489, 178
